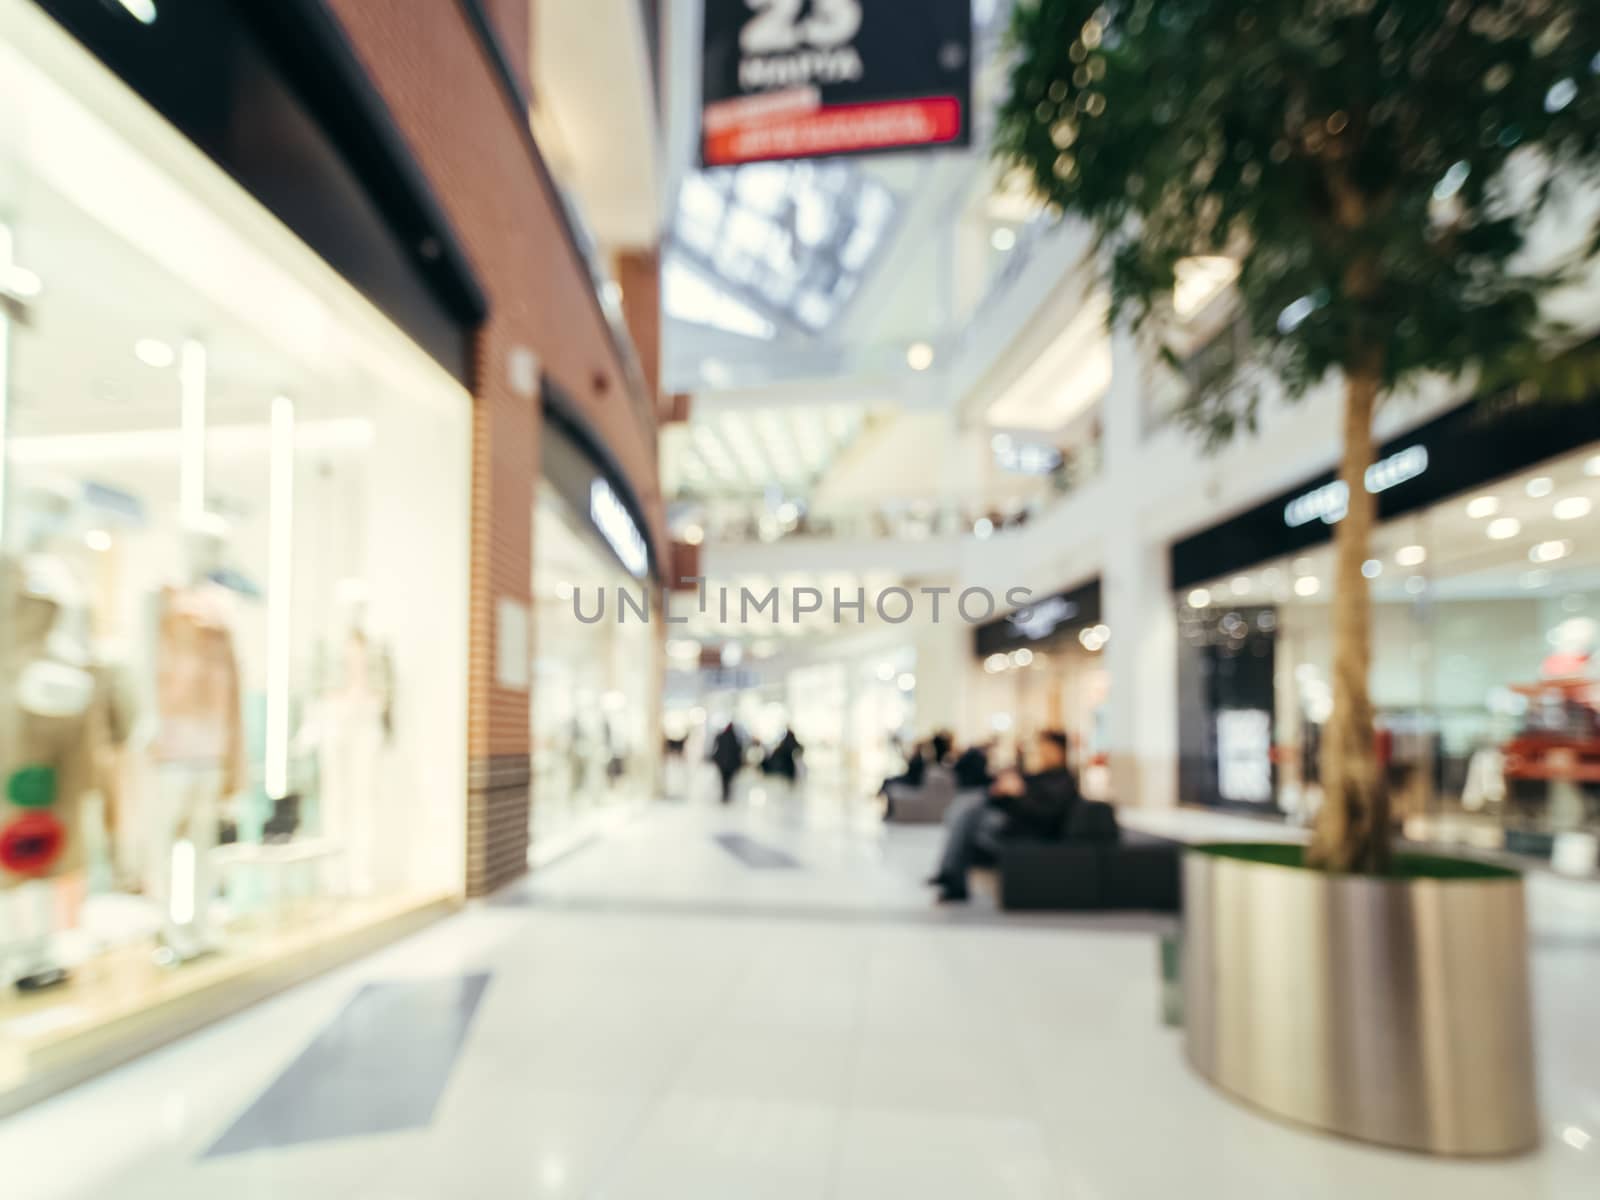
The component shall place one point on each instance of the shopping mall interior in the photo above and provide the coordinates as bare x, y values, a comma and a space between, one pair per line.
790, 598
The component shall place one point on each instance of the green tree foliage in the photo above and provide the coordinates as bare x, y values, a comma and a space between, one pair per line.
1376, 167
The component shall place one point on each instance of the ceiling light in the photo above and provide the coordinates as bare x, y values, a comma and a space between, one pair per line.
1502, 528
885, 671
1540, 486
564, 590
693, 535
1483, 506
1307, 585
1372, 568
154, 353
1103, 632
1411, 556
1199, 598
982, 528
1241, 585
919, 356
1003, 239
142, 11
97, 539
906, 682
994, 664
1091, 640
732, 654
1591, 466
1549, 551
1573, 508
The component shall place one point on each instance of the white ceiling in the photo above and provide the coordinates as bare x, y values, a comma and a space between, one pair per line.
595, 113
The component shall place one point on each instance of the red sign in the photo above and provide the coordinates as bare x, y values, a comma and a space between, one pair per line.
843, 129
31, 844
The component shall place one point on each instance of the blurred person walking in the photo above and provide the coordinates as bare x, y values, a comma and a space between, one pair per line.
727, 754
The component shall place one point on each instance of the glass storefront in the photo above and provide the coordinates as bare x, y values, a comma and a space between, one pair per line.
1486, 619
1044, 668
233, 567
595, 738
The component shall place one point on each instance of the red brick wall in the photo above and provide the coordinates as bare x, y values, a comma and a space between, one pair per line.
427, 62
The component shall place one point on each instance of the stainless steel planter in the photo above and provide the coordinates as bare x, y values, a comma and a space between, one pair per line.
1394, 1011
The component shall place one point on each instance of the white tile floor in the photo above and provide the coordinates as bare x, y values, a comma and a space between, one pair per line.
665, 1022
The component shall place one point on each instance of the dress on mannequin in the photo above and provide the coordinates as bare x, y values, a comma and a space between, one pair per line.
354, 715
54, 740
197, 760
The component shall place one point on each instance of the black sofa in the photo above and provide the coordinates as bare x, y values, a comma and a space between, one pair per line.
1097, 866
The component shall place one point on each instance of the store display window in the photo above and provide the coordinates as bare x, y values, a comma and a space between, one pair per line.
596, 740
233, 564
1486, 667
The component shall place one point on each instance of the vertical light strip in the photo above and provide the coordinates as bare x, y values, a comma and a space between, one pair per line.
7, 249
280, 594
192, 468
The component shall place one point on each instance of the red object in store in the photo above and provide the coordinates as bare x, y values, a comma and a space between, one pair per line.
840, 129
32, 843
1560, 738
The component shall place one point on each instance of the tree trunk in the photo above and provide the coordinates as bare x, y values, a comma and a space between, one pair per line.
1352, 831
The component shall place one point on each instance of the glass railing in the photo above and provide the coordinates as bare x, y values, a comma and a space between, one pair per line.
909, 518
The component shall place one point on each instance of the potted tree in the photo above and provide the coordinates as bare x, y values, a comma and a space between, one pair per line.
1376, 172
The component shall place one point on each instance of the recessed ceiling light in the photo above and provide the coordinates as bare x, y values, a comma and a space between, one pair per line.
994, 664
1199, 598
142, 11
1549, 551
1502, 528
1573, 508
1372, 568
1482, 506
982, 528
1307, 585
97, 539
1003, 239
1022, 657
906, 682
919, 356
1540, 486
153, 352
693, 535
1411, 556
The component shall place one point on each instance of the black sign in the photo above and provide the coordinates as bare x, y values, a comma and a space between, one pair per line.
1044, 620
813, 78
1467, 447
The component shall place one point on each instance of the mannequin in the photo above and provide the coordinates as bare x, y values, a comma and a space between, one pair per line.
54, 742
196, 751
350, 728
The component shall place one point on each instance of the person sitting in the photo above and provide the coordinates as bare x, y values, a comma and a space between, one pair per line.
972, 768
940, 746
1036, 806
912, 777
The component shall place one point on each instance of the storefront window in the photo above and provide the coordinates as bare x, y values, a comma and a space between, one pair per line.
596, 744
1486, 611
233, 522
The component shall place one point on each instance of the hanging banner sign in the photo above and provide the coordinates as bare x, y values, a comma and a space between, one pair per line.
787, 79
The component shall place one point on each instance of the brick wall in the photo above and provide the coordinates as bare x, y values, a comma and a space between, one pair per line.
427, 62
